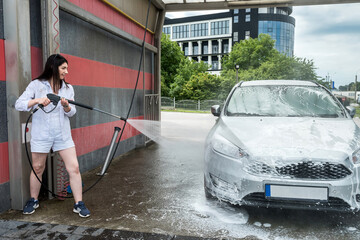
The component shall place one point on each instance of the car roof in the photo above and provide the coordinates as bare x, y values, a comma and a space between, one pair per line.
278, 83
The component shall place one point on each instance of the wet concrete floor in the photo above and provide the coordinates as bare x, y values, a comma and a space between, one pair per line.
159, 189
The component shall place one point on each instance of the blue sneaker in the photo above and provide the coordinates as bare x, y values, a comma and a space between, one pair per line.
30, 206
81, 209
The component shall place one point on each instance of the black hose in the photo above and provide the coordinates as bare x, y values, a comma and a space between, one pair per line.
137, 81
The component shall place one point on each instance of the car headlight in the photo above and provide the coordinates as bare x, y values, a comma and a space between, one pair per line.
356, 157
224, 146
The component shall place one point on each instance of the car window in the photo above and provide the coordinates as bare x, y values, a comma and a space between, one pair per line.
284, 101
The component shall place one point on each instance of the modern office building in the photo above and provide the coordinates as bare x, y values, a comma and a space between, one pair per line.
209, 37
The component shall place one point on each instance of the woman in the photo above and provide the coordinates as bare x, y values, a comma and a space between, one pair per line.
51, 129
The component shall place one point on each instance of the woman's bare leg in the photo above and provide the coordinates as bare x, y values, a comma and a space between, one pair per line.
38, 163
72, 166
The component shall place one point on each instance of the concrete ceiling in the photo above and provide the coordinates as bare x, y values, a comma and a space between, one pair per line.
198, 5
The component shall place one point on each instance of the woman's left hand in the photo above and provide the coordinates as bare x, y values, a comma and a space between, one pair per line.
65, 104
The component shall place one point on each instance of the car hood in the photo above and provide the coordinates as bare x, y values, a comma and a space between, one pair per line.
292, 137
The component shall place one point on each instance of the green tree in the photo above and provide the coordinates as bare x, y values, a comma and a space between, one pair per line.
171, 57
258, 60
250, 53
187, 68
201, 86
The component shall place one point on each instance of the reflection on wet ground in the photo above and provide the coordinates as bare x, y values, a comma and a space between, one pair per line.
159, 189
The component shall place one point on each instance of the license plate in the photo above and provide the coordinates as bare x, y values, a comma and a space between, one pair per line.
296, 192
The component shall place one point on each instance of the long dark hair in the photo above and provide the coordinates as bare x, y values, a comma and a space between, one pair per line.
52, 70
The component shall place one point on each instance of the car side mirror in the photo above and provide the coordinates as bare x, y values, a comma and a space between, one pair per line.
351, 110
215, 110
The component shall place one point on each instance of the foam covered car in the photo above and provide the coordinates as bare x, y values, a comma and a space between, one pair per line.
286, 144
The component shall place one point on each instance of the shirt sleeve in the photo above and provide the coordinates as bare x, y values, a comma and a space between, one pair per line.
22, 102
71, 97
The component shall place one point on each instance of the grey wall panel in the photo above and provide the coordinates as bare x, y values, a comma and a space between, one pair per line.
35, 23
5, 197
3, 113
96, 158
113, 100
1, 20
82, 39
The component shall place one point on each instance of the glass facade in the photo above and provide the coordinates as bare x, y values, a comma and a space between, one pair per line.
181, 31
167, 30
199, 30
282, 33
220, 27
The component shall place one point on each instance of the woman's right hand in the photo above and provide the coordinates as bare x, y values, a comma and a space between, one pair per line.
44, 101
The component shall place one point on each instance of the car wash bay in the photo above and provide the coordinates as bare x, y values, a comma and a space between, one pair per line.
159, 189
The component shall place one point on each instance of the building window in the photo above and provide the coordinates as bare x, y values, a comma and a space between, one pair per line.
199, 30
262, 10
247, 18
226, 48
220, 27
236, 36
215, 48
271, 10
186, 50
248, 10
195, 50
236, 19
247, 34
214, 65
166, 30
205, 49
181, 31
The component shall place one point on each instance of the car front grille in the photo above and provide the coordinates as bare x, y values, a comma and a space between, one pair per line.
258, 199
301, 170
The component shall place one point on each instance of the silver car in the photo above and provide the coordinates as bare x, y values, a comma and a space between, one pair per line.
285, 144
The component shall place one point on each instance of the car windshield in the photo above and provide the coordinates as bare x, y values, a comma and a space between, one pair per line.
283, 101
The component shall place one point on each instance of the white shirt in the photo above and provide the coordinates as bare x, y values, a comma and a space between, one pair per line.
41, 123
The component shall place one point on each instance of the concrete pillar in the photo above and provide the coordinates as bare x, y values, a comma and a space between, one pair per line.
181, 46
199, 59
210, 47
190, 48
220, 47
18, 76
219, 62
230, 44
209, 61
199, 47
50, 45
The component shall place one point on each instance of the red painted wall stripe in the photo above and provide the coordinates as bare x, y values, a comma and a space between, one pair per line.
105, 12
36, 62
2, 61
91, 138
85, 72
4, 162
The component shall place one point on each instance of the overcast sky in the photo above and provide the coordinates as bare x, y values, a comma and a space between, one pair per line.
328, 34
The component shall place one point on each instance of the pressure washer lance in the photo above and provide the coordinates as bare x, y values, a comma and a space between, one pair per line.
55, 99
